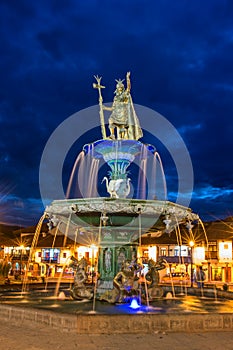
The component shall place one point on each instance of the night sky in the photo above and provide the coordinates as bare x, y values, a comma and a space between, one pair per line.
180, 55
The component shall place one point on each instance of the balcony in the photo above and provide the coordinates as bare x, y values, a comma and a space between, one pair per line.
211, 255
50, 260
176, 259
19, 257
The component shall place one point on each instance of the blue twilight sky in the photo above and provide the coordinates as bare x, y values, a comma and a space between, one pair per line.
180, 54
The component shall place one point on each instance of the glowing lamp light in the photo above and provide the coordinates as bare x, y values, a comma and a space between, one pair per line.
134, 304
191, 244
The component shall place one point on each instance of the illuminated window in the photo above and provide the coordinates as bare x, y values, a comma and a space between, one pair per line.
217, 274
212, 246
163, 251
176, 252
50, 255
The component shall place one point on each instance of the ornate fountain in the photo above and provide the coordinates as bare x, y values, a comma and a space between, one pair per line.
123, 201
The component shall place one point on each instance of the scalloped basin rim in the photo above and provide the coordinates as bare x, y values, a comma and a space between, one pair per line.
121, 207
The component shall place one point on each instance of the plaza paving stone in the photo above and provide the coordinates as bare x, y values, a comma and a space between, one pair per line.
17, 337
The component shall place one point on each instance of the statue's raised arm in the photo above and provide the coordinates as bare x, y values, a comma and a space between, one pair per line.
128, 82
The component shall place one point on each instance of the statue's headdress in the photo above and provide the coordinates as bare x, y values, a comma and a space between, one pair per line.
119, 84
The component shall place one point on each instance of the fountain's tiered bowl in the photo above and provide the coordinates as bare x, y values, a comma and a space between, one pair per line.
119, 213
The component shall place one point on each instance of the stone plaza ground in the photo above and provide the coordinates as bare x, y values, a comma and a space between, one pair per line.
38, 329
19, 337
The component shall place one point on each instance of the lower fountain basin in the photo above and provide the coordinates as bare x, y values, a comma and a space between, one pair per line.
189, 313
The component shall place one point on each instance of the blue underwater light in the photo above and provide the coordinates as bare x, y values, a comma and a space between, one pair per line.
134, 304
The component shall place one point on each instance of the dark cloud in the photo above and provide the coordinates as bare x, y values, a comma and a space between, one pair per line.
180, 55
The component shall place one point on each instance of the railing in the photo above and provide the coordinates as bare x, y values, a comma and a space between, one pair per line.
176, 259
211, 255
49, 260
19, 257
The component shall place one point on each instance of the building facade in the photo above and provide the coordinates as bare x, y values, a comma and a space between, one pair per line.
211, 249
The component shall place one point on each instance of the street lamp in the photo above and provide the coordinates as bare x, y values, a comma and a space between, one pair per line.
93, 247
191, 244
21, 260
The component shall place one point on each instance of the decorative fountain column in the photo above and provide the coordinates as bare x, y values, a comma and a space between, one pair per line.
116, 223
